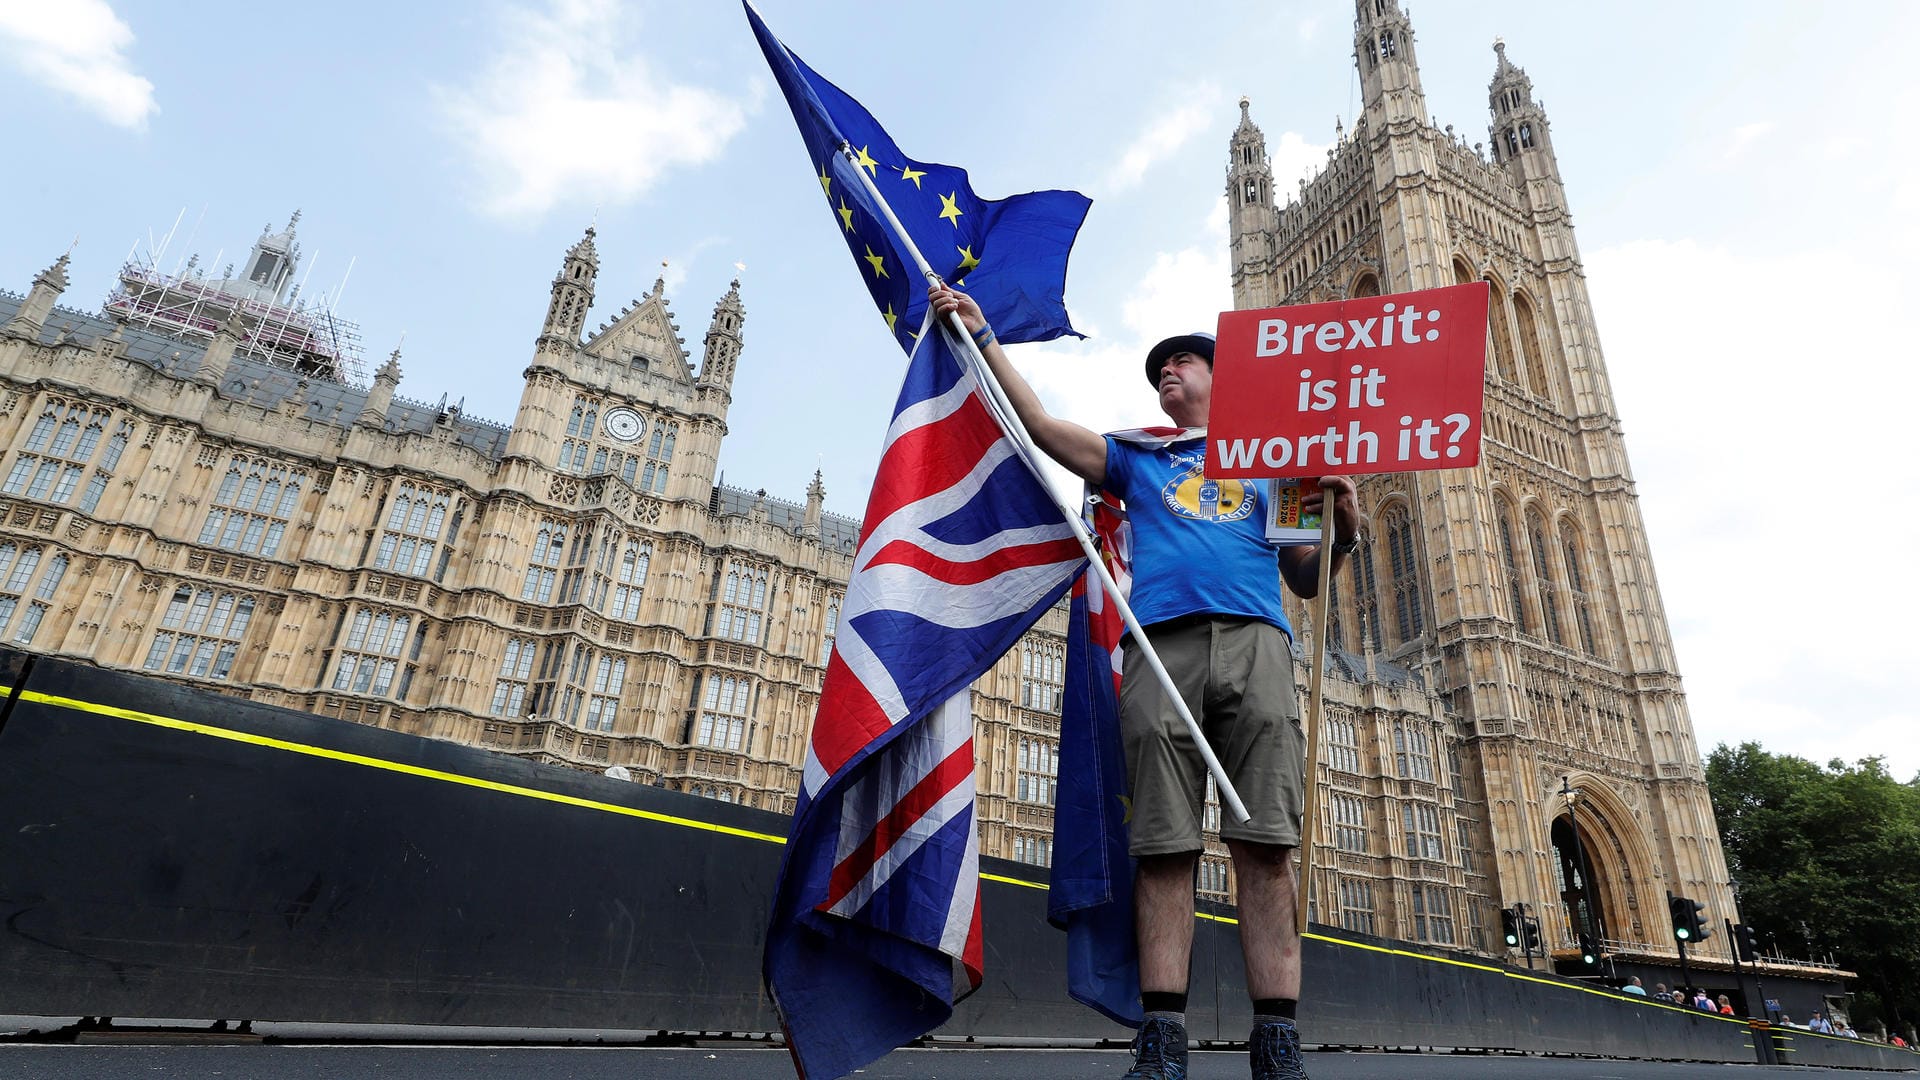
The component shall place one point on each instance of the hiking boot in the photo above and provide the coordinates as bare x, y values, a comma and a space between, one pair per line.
1159, 1051
1274, 1047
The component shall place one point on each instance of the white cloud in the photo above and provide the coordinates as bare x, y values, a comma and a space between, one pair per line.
1742, 138
569, 109
1100, 383
78, 47
1293, 158
1191, 110
1767, 426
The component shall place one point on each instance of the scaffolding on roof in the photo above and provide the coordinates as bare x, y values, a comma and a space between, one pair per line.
312, 340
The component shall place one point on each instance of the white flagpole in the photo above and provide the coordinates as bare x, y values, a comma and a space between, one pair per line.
1023, 445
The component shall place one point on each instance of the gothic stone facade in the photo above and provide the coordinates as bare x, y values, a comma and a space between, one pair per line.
1522, 591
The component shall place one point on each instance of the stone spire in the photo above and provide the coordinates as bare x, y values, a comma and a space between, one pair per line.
816, 498
32, 316
1251, 216
723, 341
1519, 126
1389, 72
380, 397
572, 296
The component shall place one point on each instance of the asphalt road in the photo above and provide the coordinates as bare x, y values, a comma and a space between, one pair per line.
21, 1061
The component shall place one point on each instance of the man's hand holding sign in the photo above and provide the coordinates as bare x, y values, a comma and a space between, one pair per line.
1374, 384
1368, 385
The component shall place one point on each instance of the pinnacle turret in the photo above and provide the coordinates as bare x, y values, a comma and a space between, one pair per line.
724, 340
1389, 71
572, 296
1519, 124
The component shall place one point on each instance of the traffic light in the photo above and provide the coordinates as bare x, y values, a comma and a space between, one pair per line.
1532, 928
1689, 920
1510, 924
1589, 950
1745, 940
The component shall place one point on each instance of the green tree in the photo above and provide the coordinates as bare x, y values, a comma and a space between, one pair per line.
1828, 861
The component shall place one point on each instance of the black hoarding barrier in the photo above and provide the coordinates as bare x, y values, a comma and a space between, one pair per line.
166, 852
1795, 1047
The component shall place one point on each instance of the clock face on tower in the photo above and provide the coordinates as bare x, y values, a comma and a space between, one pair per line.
624, 424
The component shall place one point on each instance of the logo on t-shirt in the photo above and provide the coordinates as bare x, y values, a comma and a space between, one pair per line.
1196, 497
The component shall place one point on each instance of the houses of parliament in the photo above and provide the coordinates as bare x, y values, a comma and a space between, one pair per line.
195, 488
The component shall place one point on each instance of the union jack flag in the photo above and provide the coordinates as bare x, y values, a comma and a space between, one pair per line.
876, 926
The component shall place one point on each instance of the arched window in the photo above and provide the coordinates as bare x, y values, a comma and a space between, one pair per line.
742, 606
1571, 554
1462, 273
829, 628
1366, 600
1530, 349
1510, 561
632, 579
1501, 334
1409, 603
1039, 763
252, 507
724, 713
549, 544
1042, 676
1367, 285
1543, 576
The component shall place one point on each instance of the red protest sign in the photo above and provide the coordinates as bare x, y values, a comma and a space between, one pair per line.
1367, 385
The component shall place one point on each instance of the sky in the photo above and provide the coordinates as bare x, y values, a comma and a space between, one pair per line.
1745, 207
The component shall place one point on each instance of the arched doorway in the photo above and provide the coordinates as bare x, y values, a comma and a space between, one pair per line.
1573, 879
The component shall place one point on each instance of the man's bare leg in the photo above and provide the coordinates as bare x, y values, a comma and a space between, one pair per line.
1268, 938
1163, 920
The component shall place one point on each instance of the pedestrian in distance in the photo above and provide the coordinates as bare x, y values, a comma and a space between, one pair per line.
1206, 591
1634, 988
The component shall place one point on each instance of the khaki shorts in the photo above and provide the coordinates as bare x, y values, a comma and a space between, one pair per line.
1237, 678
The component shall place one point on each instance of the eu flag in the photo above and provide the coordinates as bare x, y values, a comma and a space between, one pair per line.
1009, 254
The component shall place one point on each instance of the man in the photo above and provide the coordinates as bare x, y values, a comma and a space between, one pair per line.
1206, 591
1633, 987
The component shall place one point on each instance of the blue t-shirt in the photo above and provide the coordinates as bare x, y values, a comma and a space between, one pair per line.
1199, 545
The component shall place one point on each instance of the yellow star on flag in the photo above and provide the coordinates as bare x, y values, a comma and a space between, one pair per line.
967, 261
846, 215
907, 172
950, 211
866, 162
890, 317
878, 261
826, 182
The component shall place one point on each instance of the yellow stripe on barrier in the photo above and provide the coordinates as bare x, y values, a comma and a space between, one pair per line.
268, 742
1023, 883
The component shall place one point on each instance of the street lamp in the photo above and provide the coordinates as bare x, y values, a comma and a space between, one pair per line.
1572, 795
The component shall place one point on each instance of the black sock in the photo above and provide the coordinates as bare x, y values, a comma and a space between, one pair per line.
1275, 1007
1163, 1001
